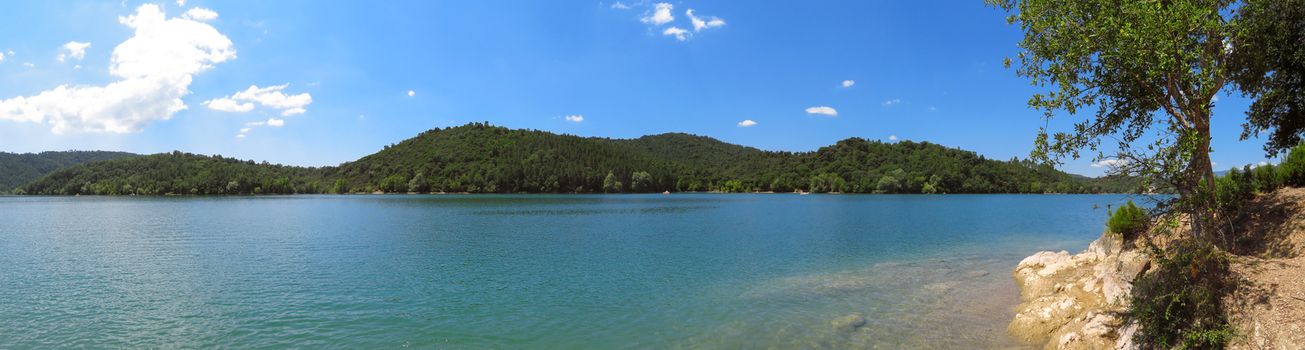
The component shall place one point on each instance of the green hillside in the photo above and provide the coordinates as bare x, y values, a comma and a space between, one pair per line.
480, 158
177, 173
17, 169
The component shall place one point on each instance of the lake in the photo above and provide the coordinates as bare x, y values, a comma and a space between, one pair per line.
525, 271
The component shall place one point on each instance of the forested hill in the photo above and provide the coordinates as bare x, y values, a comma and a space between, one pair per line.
480, 158
178, 173
17, 169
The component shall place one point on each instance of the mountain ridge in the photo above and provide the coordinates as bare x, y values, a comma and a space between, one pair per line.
481, 158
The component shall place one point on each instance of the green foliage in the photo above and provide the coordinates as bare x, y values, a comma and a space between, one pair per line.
340, 187
641, 181
1292, 169
1129, 220
419, 184
610, 184
178, 173
1179, 305
480, 158
19, 169
733, 186
396, 183
1268, 65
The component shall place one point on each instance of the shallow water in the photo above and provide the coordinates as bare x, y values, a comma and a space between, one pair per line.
539, 271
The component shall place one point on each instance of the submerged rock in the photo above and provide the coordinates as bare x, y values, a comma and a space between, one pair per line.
849, 322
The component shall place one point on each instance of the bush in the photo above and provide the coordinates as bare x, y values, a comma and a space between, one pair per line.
1266, 178
1234, 189
1292, 169
1179, 304
1129, 220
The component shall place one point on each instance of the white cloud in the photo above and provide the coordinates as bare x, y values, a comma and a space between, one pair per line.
293, 111
892, 137
1109, 163
892, 102
73, 50
746, 123
270, 97
661, 15
848, 83
412, 93
620, 6
200, 14
181, 2
272, 122
575, 118
699, 24
156, 67
228, 105
823, 110
2, 56
933, 109
680, 34
28, 65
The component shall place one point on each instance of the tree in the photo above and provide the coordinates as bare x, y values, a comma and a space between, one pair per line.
1150, 69
641, 181
1268, 60
394, 183
418, 184
610, 185
340, 187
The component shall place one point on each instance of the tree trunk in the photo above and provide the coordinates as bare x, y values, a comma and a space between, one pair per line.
1201, 178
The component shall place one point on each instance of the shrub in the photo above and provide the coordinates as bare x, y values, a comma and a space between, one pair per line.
1179, 304
1234, 189
1292, 169
1129, 220
1266, 178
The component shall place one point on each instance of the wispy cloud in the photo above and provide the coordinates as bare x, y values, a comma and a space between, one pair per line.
74, 50
823, 110
892, 102
270, 97
200, 14
680, 34
700, 23
1109, 163
272, 122
747, 123
892, 137
575, 118
848, 83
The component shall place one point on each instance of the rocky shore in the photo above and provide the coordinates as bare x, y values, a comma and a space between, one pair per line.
1076, 301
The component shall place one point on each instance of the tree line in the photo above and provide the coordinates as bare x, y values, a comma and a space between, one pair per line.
480, 158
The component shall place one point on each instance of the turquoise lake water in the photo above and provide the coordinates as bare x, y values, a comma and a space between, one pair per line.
531, 271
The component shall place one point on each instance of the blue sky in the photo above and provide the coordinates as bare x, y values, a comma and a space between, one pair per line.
320, 83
